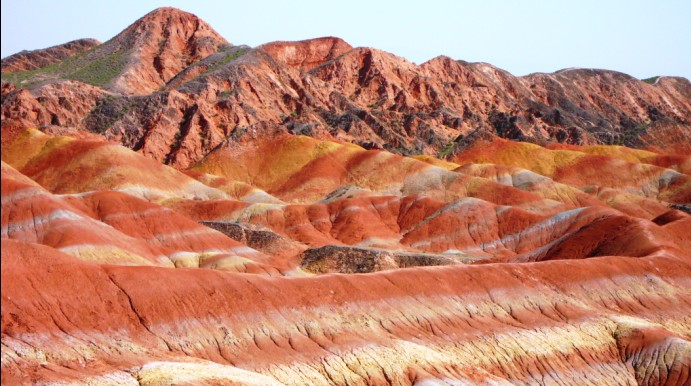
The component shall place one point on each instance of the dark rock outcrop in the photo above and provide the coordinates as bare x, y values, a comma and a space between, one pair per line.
349, 259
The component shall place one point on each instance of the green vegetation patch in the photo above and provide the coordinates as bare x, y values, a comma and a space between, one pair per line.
448, 148
83, 67
651, 80
226, 94
101, 71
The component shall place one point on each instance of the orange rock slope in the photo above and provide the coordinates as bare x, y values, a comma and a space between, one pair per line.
290, 215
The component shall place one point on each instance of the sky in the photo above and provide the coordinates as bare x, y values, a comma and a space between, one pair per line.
637, 37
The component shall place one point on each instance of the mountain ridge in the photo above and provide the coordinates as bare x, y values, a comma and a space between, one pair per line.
328, 89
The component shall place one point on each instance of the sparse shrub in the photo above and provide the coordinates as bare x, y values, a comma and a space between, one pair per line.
448, 148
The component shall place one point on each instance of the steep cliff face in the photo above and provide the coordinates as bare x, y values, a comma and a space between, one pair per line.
178, 210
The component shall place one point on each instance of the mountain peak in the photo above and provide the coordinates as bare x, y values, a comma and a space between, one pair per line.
160, 45
165, 11
166, 15
139, 60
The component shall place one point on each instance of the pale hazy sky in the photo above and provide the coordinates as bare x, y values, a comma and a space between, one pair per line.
641, 38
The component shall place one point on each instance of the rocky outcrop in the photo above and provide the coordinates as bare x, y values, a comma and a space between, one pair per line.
62, 104
346, 259
250, 234
258, 237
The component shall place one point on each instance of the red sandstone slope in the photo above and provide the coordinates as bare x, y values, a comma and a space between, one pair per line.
116, 228
65, 165
592, 172
303, 169
467, 230
568, 322
160, 45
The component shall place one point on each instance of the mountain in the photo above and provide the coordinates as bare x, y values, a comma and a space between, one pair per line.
137, 61
174, 89
180, 210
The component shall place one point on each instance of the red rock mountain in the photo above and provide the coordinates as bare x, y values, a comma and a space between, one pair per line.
178, 210
139, 60
192, 90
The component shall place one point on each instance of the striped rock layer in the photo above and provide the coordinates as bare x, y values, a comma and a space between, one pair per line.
618, 321
325, 263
